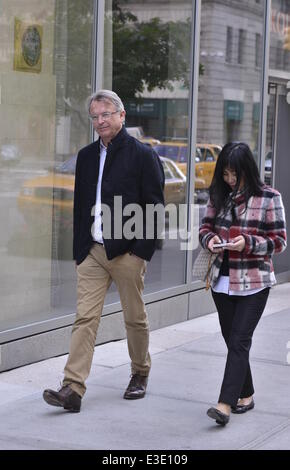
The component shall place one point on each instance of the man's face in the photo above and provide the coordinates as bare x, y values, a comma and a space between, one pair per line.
107, 126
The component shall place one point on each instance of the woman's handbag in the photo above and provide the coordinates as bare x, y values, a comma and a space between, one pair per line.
203, 264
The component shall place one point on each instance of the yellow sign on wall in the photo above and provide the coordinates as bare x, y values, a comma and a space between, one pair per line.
27, 46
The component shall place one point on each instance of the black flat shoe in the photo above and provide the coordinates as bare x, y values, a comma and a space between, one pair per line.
239, 409
220, 418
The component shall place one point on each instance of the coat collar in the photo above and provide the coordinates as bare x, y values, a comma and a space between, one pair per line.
117, 141
237, 198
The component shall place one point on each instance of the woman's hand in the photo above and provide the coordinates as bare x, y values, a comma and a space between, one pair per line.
236, 244
213, 240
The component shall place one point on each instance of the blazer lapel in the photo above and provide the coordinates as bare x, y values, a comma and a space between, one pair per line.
93, 164
113, 146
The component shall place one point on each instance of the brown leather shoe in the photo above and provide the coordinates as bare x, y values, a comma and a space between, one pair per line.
65, 397
136, 388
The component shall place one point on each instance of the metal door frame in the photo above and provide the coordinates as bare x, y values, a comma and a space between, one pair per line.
280, 85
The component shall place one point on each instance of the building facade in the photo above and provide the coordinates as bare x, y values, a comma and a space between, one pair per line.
193, 75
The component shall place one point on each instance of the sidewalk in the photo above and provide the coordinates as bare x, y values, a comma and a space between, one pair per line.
187, 366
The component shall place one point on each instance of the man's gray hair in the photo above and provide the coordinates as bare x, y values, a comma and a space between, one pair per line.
107, 96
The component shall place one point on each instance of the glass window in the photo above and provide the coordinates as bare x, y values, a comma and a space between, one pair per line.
45, 77
147, 62
278, 115
280, 36
167, 173
258, 50
183, 154
241, 46
198, 155
209, 156
168, 151
229, 96
229, 44
175, 171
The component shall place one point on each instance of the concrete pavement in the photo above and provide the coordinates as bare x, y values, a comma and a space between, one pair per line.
187, 366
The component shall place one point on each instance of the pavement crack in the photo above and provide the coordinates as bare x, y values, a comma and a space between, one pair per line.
219, 354
266, 437
28, 442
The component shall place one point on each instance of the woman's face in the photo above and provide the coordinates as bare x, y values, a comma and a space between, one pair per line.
230, 177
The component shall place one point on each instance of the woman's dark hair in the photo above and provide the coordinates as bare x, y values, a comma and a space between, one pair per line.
236, 156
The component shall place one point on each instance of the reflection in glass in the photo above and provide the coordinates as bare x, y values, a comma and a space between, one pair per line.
278, 112
43, 124
229, 89
280, 35
147, 62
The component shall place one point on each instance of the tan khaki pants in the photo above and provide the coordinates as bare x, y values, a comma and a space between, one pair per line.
95, 275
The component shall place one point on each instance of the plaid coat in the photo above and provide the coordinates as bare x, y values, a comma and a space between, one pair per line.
264, 228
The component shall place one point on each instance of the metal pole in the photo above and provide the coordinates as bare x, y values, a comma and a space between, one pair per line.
264, 89
193, 104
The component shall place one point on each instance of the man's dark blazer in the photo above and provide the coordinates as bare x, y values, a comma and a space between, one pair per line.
132, 170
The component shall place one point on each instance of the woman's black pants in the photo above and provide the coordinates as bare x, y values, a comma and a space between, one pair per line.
238, 317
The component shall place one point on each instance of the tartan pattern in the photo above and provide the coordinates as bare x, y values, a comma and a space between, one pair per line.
263, 226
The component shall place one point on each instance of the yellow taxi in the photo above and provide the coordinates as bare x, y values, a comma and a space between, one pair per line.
204, 168
139, 134
55, 191
205, 159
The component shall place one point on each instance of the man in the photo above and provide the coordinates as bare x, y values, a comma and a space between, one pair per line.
115, 165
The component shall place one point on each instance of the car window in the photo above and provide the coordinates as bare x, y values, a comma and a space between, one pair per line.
66, 195
209, 156
167, 172
202, 153
69, 166
268, 161
136, 132
173, 170
183, 155
54, 193
198, 156
217, 150
168, 151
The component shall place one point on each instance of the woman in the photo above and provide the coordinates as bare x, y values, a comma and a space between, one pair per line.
250, 217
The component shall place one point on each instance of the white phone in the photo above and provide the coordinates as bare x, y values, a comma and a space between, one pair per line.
221, 245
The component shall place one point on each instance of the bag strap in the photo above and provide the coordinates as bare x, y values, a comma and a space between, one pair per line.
211, 260
207, 280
